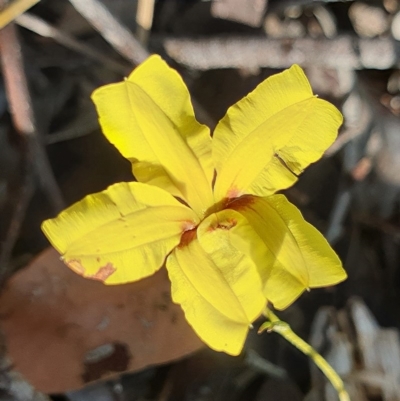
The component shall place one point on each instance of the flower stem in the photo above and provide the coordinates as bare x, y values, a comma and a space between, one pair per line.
286, 332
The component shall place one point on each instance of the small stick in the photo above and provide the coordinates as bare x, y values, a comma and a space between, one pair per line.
144, 19
112, 30
22, 113
13, 10
25, 194
342, 52
122, 39
43, 28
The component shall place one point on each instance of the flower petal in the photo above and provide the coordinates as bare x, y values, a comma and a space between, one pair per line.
213, 327
120, 235
150, 119
300, 256
227, 238
267, 139
217, 285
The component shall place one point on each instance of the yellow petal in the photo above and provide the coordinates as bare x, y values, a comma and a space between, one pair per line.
217, 285
267, 139
121, 234
150, 119
231, 244
300, 256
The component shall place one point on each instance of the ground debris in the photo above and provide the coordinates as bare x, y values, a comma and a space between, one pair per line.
366, 355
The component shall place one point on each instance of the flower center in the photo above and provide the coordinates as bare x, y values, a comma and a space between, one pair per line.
190, 232
187, 237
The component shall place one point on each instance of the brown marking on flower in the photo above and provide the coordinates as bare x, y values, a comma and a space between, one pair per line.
214, 179
75, 265
227, 224
103, 273
223, 225
285, 164
187, 237
241, 203
233, 193
188, 225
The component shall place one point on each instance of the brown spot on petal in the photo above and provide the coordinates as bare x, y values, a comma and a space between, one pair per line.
188, 225
187, 237
104, 272
223, 225
226, 225
75, 265
241, 203
233, 193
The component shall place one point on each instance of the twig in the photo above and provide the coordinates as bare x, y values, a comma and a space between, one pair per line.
24, 197
22, 112
338, 215
261, 365
144, 19
85, 123
11, 11
112, 30
344, 52
43, 28
123, 40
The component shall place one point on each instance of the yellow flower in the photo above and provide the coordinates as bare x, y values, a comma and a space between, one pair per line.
206, 207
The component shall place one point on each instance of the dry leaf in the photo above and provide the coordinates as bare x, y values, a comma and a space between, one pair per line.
64, 331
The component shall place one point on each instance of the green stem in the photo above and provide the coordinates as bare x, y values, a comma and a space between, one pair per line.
286, 332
